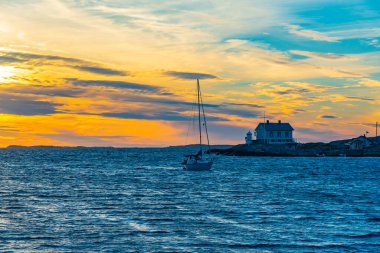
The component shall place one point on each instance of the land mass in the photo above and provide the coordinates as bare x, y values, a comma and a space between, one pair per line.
224, 146
47, 147
334, 148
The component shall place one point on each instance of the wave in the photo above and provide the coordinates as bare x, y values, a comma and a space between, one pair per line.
368, 235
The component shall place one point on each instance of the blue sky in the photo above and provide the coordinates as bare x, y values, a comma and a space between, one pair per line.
106, 64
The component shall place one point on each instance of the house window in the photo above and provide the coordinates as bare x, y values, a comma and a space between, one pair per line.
287, 134
278, 134
271, 133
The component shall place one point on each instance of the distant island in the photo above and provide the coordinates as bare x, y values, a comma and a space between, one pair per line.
44, 146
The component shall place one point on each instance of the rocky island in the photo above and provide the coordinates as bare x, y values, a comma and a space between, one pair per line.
361, 146
276, 139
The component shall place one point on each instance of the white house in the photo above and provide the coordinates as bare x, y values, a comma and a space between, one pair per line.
359, 143
274, 133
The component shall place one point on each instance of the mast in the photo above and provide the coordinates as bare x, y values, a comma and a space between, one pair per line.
205, 122
199, 115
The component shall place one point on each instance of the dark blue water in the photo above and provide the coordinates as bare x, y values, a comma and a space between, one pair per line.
139, 200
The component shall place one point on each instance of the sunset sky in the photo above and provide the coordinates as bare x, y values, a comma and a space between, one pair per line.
122, 73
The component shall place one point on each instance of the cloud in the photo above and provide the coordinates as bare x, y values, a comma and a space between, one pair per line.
328, 117
22, 105
146, 107
176, 111
25, 57
51, 91
100, 70
369, 82
244, 105
184, 20
360, 98
228, 112
325, 56
357, 31
8, 59
149, 115
8, 129
297, 111
159, 109
164, 98
113, 84
178, 103
292, 91
374, 42
166, 115
137, 106
38, 59
311, 34
189, 75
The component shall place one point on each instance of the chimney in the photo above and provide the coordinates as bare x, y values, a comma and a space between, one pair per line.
267, 120
279, 122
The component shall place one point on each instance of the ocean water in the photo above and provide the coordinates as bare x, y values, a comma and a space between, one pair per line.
140, 200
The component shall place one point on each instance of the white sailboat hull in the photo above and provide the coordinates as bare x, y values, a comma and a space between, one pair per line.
198, 166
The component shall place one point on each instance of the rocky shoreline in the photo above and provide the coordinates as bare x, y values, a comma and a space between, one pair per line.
334, 148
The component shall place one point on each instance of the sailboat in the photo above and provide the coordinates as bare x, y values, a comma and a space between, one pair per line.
200, 160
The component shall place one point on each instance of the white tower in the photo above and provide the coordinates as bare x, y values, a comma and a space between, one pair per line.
248, 138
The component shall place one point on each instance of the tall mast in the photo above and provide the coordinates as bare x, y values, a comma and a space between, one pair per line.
376, 128
205, 122
199, 115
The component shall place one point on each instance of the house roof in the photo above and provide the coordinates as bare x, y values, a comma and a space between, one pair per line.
361, 138
276, 126
355, 140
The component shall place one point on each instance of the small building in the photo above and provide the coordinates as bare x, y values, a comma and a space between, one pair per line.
359, 143
248, 138
274, 133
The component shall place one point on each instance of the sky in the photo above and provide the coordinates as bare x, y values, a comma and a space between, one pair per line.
122, 73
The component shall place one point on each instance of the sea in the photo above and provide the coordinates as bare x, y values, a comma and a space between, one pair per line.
140, 200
